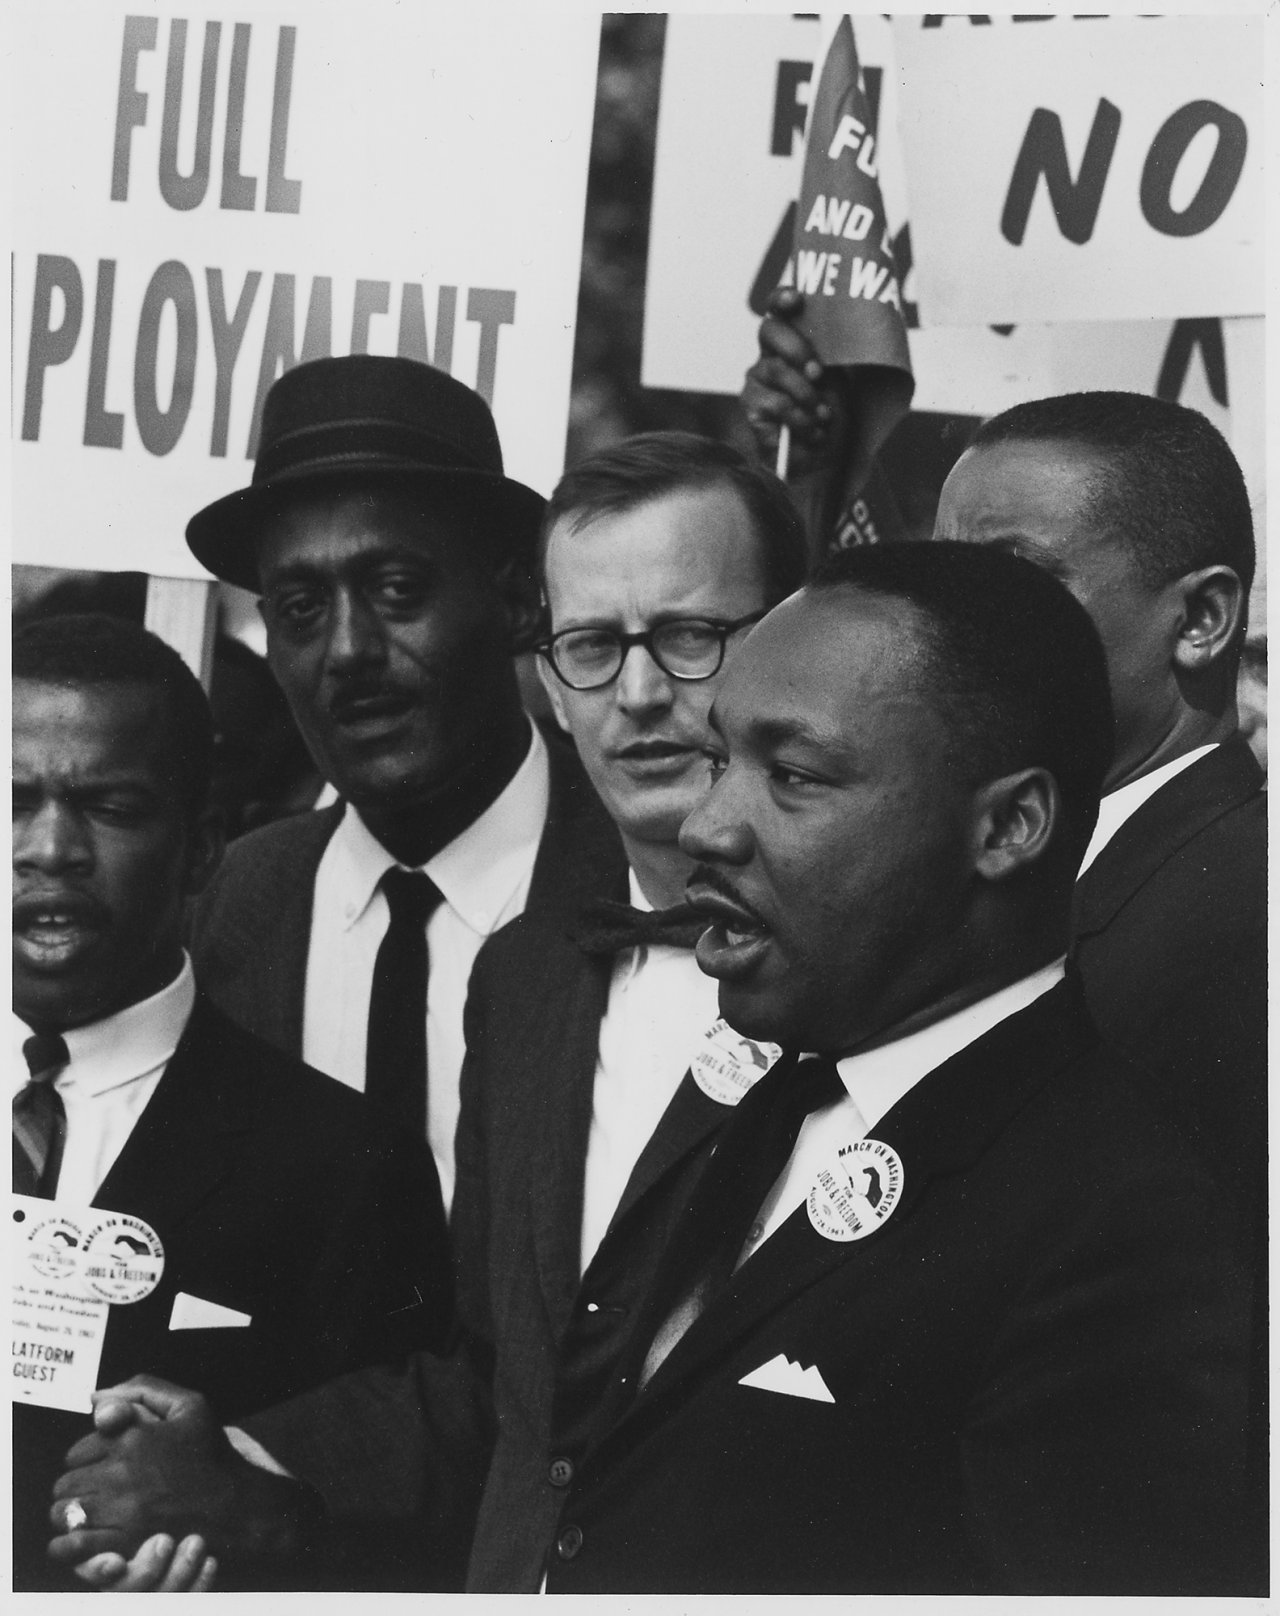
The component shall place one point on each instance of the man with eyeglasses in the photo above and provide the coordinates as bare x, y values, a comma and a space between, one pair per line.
591, 1091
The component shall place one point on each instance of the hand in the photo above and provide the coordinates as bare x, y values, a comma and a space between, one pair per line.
158, 1462
787, 384
158, 1567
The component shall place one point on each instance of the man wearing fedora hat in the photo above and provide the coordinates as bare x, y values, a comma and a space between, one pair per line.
396, 568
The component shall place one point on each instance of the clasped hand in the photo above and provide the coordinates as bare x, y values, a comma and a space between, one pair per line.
164, 1496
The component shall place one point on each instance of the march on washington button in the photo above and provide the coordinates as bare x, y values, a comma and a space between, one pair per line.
854, 1195
727, 1065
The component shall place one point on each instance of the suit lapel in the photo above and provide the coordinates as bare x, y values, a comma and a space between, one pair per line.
184, 1141
571, 994
580, 855
941, 1125
264, 936
563, 1002
1170, 817
689, 1120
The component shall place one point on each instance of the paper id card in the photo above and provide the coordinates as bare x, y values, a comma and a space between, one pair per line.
67, 1264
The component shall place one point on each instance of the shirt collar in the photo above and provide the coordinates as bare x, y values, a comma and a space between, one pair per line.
878, 1078
125, 1046
1122, 804
480, 870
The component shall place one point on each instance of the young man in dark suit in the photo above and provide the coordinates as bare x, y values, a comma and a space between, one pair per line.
300, 1234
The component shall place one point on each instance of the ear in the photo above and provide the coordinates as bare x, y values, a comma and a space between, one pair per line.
523, 601
1210, 619
206, 843
1015, 820
555, 692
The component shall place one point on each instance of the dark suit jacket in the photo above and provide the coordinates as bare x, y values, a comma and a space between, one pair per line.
1171, 945
542, 1335
1170, 927
277, 1193
1036, 1367
251, 929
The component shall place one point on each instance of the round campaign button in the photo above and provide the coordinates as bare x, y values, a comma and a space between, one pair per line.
852, 1197
122, 1258
727, 1064
53, 1247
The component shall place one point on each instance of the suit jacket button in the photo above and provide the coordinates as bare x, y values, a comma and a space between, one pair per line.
560, 1473
570, 1542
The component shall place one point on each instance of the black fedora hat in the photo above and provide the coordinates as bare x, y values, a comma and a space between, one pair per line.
367, 415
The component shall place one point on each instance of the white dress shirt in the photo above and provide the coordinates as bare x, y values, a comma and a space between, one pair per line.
113, 1071
1117, 806
875, 1081
484, 875
660, 1006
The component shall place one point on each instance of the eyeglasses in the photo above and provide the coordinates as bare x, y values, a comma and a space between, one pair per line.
685, 648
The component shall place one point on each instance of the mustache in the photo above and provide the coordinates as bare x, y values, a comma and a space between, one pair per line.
355, 689
703, 875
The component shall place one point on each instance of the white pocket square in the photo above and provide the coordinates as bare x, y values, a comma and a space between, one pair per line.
781, 1374
194, 1313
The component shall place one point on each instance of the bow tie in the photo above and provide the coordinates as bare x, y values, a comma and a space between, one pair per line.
607, 928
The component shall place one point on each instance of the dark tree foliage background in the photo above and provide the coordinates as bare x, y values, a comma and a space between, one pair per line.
608, 401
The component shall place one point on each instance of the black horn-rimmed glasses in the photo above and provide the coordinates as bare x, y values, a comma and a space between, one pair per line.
687, 648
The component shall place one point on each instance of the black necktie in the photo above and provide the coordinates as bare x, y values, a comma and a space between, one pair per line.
39, 1120
396, 1046
752, 1151
607, 928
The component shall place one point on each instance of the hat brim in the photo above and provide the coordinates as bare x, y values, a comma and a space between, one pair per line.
224, 536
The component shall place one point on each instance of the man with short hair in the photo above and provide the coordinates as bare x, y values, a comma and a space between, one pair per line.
395, 564
1139, 507
297, 1230
956, 1376
588, 1106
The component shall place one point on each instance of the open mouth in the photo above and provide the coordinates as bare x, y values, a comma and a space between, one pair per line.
52, 931
737, 937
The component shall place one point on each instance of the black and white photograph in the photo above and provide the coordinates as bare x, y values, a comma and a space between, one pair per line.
639, 752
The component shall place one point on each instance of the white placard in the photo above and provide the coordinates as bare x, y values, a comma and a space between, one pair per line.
729, 145
730, 142
1082, 168
56, 1323
199, 198
977, 371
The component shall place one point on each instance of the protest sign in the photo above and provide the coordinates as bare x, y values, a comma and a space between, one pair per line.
727, 172
204, 201
726, 168
1083, 168
842, 259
